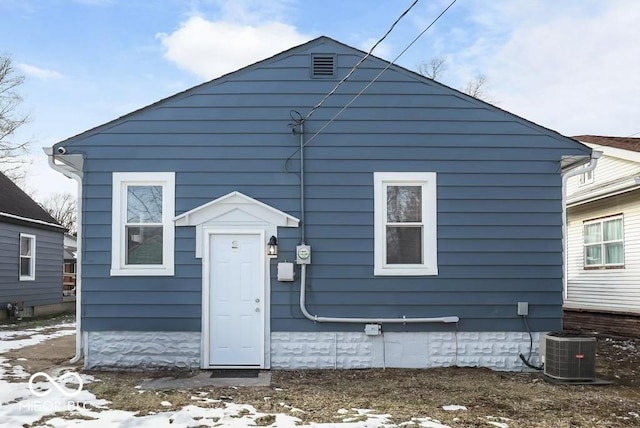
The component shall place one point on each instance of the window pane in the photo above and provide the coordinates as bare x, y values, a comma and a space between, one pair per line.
404, 204
593, 255
144, 245
25, 266
144, 204
614, 253
592, 233
25, 246
404, 245
613, 230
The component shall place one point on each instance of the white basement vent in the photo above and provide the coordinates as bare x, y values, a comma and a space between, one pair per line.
323, 66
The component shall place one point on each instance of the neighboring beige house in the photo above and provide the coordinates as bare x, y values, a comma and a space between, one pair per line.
603, 240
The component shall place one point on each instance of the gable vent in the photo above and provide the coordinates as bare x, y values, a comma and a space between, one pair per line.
323, 66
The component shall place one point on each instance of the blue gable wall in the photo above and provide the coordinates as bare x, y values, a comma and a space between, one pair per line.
499, 196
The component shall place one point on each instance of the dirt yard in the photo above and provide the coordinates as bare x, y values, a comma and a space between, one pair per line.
490, 398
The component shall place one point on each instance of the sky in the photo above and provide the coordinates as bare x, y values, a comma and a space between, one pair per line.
572, 65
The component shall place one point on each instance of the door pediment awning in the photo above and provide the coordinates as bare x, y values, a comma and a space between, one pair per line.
234, 211
234, 208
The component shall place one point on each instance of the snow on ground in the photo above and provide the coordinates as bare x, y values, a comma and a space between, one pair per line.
29, 398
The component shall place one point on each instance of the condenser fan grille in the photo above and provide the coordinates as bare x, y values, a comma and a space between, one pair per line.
570, 358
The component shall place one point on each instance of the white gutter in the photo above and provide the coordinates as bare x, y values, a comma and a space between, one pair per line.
595, 155
403, 320
30, 220
69, 171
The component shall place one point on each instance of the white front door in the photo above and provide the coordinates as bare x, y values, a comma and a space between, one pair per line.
236, 300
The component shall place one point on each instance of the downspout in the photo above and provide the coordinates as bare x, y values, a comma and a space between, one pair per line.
303, 272
76, 175
595, 155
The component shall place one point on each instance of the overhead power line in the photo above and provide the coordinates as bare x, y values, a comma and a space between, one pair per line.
371, 82
344, 79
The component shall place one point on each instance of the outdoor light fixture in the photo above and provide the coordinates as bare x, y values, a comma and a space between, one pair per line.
272, 247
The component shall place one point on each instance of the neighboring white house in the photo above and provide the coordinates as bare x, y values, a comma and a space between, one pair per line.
603, 232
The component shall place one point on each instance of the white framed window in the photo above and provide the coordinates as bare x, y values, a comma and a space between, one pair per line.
142, 241
27, 257
604, 242
405, 238
586, 178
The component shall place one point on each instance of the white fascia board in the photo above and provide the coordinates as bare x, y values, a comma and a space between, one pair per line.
615, 152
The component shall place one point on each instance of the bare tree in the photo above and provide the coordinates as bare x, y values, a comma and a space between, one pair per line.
435, 68
12, 153
476, 87
63, 207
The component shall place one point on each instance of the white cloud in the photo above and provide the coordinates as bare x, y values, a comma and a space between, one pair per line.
245, 33
572, 66
39, 73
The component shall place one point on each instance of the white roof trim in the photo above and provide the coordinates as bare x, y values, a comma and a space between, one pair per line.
232, 201
31, 220
616, 152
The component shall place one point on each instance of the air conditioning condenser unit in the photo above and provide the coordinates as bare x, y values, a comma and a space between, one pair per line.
570, 358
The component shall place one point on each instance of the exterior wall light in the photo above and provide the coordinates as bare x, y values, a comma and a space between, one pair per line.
272, 247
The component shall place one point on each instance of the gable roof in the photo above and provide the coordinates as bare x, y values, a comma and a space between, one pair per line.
625, 143
317, 42
17, 206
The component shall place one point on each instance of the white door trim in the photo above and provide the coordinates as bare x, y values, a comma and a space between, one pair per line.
265, 293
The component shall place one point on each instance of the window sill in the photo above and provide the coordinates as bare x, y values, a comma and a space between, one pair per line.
602, 267
168, 271
422, 271
27, 278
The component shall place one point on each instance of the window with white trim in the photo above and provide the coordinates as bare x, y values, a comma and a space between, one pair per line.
405, 223
586, 178
27, 257
142, 223
604, 242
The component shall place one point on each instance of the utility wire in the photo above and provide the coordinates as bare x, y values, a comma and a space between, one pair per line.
372, 81
353, 69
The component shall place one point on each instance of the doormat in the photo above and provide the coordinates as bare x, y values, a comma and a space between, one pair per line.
227, 373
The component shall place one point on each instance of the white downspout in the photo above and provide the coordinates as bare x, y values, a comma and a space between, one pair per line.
595, 155
70, 173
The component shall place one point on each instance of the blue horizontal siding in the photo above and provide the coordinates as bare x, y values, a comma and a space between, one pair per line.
46, 288
499, 197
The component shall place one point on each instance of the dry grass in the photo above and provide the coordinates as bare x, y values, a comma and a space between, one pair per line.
525, 400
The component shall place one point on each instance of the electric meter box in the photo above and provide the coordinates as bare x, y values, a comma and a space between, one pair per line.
303, 254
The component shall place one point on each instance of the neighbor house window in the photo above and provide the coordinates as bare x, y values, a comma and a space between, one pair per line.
405, 223
604, 242
27, 257
142, 223
586, 178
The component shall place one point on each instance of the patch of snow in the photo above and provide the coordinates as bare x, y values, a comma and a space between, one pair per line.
165, 404
342, 411
426, 423
32, 337
453, 407
492, 421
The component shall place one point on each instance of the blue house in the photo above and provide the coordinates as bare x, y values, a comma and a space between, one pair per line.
225, 227
31, 252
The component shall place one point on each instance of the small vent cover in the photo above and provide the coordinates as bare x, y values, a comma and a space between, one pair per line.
323, 66
570, 358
